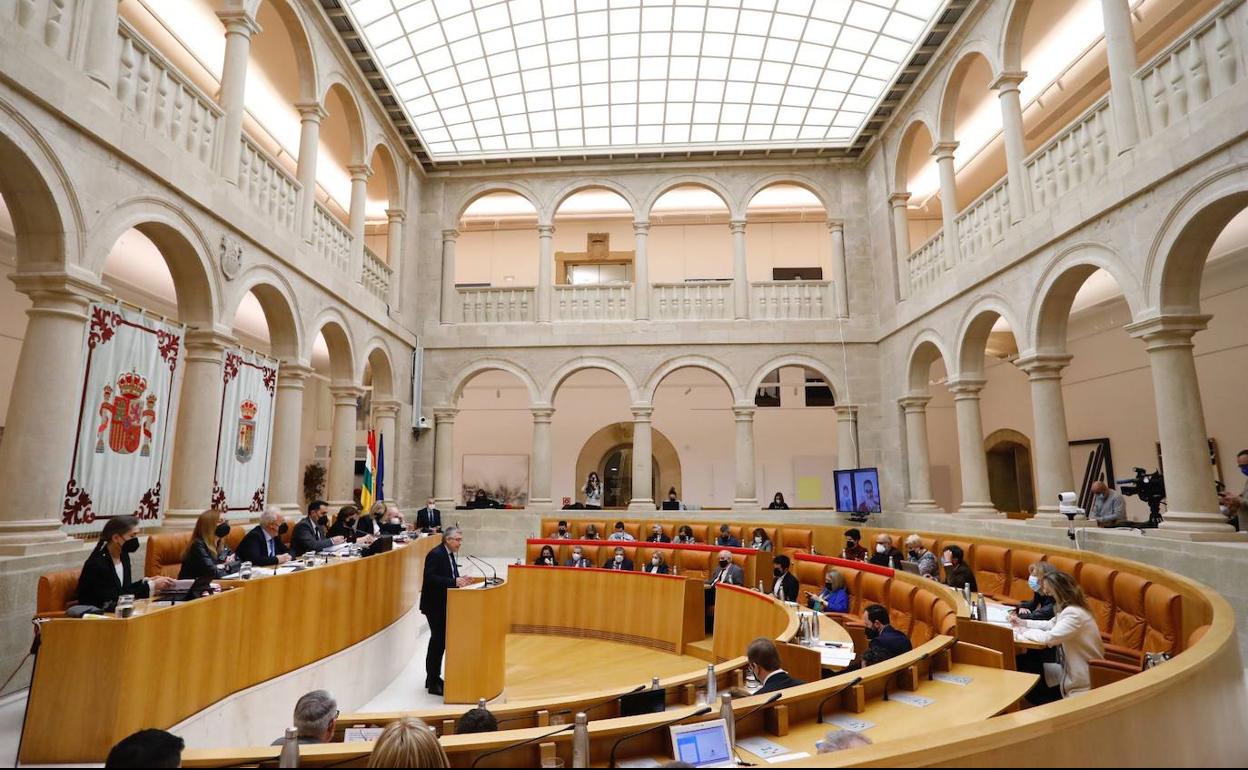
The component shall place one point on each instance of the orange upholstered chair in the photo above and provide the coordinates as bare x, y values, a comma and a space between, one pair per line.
164, 554
699, 530
922, 626
1066, 564
1097, 583
549, 528
809, 576
946, 619
792, 539
747, 536
1103, 672
237, 533
647, 529
579, 527
992, 571
645, 552
1125, 640
1020, 562
736, 530
901, 605
56, 592
872, 589
1163, 615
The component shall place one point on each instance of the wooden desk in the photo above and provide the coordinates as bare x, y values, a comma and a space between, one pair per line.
477, 622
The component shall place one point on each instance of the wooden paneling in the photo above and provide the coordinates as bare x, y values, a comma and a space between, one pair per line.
477, 621
741, 616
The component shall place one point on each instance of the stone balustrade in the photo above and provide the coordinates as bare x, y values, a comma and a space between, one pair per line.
594, 302
791, 300
330, 238
926, 263
376, 276
693, 300
985, 221
50, 21
267, 187
495, 304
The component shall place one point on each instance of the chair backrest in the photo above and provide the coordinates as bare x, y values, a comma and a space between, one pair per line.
1020, 564
747, 533
901, 605
550, 527
164, 554
794, 539
1098, 586
1000, 638
579, 527
1066, 564
1129, 623
57, 591
647, 529
809, 576
699, 531
872, 589
1103, 672
992, 569
237, 533
1163, 615
645, 552
734, 529
922, 627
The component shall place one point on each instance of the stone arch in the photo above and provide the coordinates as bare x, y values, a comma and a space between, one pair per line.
696, 362
667, 473
734, 208
1176, 258
572, 188
180, 241
378, 359
486, 188
926, 350
905, 144
1058, 284
461, 378
798, 180
332, 325
1004, 435
834, 382
281, 309
965, 58
380, 150
1011, 48
353, 115
305, 61
974, 329
580, 364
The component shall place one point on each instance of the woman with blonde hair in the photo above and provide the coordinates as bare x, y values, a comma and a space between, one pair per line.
207, 555
835, 595
1073, 631
408, 742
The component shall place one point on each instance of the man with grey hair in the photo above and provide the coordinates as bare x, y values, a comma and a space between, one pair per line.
1107, 509
441, 574
263, 545
315, 715
840, 740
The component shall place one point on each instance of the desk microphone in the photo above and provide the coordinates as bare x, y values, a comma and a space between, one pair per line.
604, 702
660, 726
509, 747
837, 694
775, 696
489, 581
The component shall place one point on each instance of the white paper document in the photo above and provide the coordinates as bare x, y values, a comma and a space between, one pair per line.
358, 734
910, 699
847, 722
643, 762
998, 613
958, 679
761, 747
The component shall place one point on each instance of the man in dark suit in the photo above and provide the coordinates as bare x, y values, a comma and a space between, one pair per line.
725, 539
311, 533
263, 545
726, 572
657, 536
763, 659
578, 558
785, 587
620, 562
441, 574
429, 518
882, 637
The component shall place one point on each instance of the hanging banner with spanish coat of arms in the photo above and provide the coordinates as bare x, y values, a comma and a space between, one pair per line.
125, 417
249, 389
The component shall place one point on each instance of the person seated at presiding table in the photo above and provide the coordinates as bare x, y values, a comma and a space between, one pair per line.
957, 574
371, 524
763, 659
840, 740
620, 562
263, 545
620, 533
476, 720
761, 542
578, 558
482, 500
725, 539
562, 533
883, 636
673, 503
727, 572
853, 546
345, 523
778, 503
310, 533
207, 555
315, 715
1108, 508
684, 535
147, 748
408, 742
106, 573
546, 558
834, 597
917, 553
657, 565
429, 518
1040, 606
1074, 629
786, 585
886, 555
657, 536
591, 532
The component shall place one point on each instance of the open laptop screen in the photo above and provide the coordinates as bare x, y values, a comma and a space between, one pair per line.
704, 744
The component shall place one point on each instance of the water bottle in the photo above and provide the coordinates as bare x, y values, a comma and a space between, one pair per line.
982, 605
814, 629
730, 719
712, 687
812, 549
580, 740
966, 592
481, 703
654, 683
761, 590
892, 562
290, 749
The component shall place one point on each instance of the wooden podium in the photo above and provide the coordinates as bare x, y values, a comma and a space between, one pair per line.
478, 620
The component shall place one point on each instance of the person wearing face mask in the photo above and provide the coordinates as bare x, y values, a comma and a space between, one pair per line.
371, 524
263, 545
834, 597
1040, 606
778, 503
593, 492
853, 546
887, 640
764, 661
546, 558
724, 572
684, 535
957, 574
786, 586
345, 522
310, 533
1236, 506
725, 539
761, 542
1107, 509
657, 565
429, 518
657, 536
207, 555
591, 532
106, 573
562, 533
578, 559
620, 533
1073, 629
620, 562
885, 554
672, 503
917, 553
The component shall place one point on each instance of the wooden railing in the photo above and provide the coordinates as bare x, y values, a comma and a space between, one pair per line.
1074, 157
786, 300
695, 300
267, 187
597, 302
330, 238
927, 262
493, 305
376, 276
985, 221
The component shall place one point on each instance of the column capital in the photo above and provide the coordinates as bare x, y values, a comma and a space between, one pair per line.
207, 342
943, 150
239, 22
846, 412
965, 387
1007, 81
838, 225
641, 227
1043, 366
360, 172
744, 412
737, 226
395, 216
1168, 331
542, 412
914, 403
899, 199
311, 112
642, 412
387, 408
545, 231
346, 395
450, 234
293, 374
444, 414
59, 284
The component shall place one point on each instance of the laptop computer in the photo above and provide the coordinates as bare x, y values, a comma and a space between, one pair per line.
908, 566
703, 744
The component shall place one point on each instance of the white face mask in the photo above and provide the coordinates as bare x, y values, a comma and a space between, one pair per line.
947, 564
758, 540
619, 559
395, 520
577, 556
880, 548
655, 562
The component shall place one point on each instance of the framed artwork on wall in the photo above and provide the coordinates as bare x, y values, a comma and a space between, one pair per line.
503, 478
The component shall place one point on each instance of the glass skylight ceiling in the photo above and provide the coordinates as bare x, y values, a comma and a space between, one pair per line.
498, 78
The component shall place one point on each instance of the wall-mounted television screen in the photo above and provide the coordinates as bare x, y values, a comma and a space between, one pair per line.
858, 490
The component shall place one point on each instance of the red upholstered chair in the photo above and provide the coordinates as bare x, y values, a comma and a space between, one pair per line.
901, 605
56, 592
1097, 583
1020, 563
992, 571
1163, 616
1125, 640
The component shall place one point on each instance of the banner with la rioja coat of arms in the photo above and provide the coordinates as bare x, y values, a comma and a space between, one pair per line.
125, 416
248, 395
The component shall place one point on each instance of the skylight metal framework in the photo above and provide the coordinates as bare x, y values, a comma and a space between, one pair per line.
489, 79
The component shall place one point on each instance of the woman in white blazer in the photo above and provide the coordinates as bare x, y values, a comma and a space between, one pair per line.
1073, 631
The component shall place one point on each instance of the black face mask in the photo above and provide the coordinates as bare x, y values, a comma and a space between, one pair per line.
222, 529
323, 521
778, 572
850, 545
723, 562
872, 633
130, 546
563, 530
283, 529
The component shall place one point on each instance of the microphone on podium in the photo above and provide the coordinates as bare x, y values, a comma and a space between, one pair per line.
660, 726
836, 693
518, 744
489, 581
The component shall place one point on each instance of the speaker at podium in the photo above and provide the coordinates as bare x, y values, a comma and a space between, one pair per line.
478, 619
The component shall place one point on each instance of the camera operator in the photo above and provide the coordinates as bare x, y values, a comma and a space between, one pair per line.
1237, 505
1108, 509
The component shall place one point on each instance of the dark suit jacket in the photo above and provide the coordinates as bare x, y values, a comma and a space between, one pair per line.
585, 562
1041, 607
736, 575
881, 559
959, 576
728, 542
659, 539
198, 562
663, 569
439, 577
255, 550
892, 641
308, 537
778, 680
626, 566
538, 562
428, 520
368, 525
788, 586
98, 585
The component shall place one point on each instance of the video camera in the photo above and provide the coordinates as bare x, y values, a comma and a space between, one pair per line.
1150, 488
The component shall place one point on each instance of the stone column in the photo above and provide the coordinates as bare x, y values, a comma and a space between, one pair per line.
1051, 447
747, 493
545, 271
740, 271
943, 153
917, 457
539, 487
285, 473
102, 50
41, 424
310, 116
976, 495
444, 456
901, 240
840, 270
643, 470
1191, 503
450, 298
386, 423
359, 199
641, 271
1006, 86
847, 436
239, 27
394, 254
340, 480
1120, 51
199, 417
